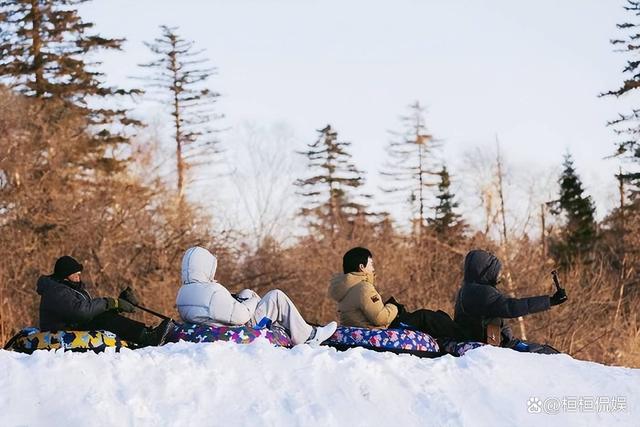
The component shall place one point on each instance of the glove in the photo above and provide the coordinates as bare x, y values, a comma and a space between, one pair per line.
401, 309
559, 297
119, 304
128, 295
126, 306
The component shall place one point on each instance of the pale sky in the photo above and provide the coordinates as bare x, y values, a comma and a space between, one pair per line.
529, 72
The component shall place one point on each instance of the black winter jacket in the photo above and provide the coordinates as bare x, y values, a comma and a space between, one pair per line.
479, 302
66, 305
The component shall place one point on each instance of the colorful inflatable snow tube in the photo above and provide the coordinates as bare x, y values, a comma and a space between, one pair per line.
392, 340
460, 348
29, 340
236, 334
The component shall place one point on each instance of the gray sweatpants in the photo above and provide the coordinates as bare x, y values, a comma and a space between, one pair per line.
279, 308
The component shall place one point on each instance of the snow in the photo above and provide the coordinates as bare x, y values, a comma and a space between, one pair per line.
260, 385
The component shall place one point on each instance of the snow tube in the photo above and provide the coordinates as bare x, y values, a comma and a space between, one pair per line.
460, 348
236, 334
29, 340
397, 341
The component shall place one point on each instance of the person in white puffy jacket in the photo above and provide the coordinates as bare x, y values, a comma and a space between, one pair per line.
202, 300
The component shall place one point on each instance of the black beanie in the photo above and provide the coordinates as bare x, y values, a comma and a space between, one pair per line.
66, 266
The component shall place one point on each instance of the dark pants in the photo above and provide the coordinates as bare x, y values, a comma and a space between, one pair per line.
438, 324
125, 328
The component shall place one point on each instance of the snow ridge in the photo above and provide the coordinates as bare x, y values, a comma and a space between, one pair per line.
258, 384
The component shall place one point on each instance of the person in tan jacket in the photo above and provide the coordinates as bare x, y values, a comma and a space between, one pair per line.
359, 304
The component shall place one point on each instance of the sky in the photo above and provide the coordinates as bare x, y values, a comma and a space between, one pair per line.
527, 74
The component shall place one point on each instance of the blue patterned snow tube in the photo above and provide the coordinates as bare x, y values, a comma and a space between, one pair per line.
236, 334
460, 348
393, 340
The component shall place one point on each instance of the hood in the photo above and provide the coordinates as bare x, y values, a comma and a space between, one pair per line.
43, 282
342, 283
46, 283
198, 266
481, 267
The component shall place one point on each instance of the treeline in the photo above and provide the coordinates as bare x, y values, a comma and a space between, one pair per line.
73, 182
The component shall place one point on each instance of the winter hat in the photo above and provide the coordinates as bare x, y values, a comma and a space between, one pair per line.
66, 266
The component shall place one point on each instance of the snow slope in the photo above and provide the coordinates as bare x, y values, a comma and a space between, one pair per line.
255, 385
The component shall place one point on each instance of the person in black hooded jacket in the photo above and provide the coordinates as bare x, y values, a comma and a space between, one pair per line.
66, 304
479, 303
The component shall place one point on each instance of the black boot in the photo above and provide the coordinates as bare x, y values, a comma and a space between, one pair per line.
158, 335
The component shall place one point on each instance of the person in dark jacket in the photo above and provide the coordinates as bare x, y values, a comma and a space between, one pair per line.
66, 304
479, 304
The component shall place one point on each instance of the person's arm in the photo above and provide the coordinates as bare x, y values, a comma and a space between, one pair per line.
225, 308
73, 307
495, 304
375, 311
248, 298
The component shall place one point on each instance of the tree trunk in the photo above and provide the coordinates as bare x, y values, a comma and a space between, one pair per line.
505, 243
36, 48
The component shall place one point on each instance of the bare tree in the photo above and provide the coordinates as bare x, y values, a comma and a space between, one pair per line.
180, 80
263, 175
506, 253
411, 168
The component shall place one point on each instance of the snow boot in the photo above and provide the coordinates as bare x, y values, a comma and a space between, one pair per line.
321, 334
158, 335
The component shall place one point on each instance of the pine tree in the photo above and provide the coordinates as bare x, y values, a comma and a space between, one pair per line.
181, 81
446, 223
45, 45
331, 204
411, 164
578, 232
626, 125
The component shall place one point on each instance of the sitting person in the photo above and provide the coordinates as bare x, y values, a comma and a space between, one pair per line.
480, 307
360, 304
202, 300
65, 304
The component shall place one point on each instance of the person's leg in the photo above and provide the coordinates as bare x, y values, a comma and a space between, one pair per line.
438, 324
278, 307
125, 328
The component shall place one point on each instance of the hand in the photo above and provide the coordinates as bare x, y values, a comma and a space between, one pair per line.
401, 309
126, 306
119, 304
559, 297
128, 295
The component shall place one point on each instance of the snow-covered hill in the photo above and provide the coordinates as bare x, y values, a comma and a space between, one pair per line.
225, 384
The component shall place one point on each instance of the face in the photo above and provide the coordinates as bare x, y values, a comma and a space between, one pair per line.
75, 277
369, 268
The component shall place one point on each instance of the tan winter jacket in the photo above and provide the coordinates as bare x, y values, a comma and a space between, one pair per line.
359, 304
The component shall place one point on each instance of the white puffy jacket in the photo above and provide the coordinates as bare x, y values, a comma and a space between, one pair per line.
202, 300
